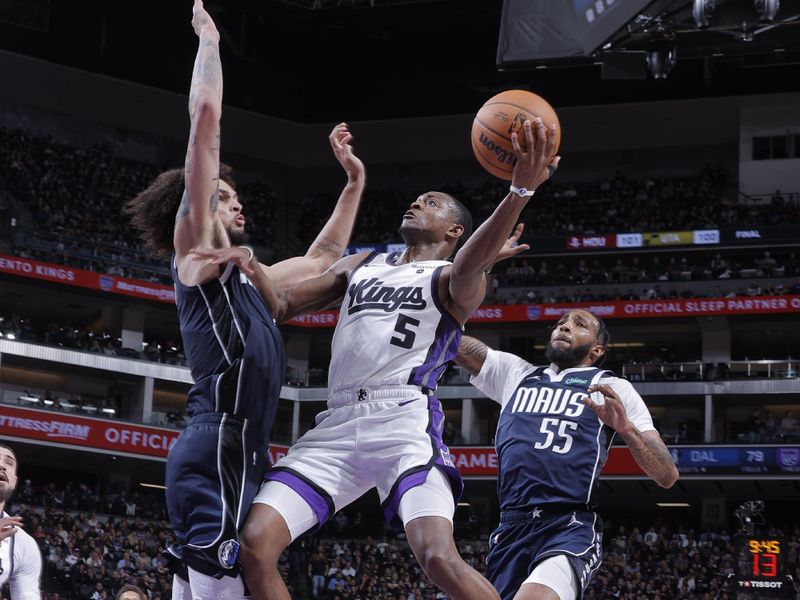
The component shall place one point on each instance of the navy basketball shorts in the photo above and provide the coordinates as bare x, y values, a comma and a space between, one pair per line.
214, 471
524, 539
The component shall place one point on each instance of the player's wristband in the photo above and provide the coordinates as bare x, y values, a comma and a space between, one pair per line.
250, 250
524, 192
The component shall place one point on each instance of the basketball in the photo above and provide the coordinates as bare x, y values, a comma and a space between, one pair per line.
501, 116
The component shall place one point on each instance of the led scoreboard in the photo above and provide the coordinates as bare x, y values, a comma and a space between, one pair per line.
759, 568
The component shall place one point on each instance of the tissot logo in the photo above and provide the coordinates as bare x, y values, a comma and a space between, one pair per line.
372, 294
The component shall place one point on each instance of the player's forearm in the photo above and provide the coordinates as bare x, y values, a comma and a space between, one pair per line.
205, 93
274, 298
653, 457
330, 244
481, 249
471, 354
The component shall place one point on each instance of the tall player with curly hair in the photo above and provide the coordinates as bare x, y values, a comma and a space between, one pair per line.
233, 346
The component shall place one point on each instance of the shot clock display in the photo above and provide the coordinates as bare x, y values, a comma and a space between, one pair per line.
760, 566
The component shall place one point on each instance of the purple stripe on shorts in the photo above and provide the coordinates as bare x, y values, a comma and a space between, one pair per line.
441, 459
308, 493
409, 481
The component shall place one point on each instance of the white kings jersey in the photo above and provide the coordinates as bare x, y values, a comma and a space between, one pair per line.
20, 565
392, 329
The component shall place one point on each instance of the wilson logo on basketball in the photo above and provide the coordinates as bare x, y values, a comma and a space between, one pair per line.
503, 155
371, 294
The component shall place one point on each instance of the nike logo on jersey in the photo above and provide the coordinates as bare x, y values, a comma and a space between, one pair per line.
548, 401
372, 294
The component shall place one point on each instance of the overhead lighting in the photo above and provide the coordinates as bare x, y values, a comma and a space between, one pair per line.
155, 486
767, 9
673, 504
702, 11
463, 503
660, 60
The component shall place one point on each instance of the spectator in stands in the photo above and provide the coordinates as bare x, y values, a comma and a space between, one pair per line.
770, 427
754, 426
767, 264
788, 424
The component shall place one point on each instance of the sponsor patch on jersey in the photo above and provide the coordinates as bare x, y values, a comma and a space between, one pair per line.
228, 553
576, 381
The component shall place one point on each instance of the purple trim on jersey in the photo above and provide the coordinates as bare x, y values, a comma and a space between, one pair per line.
417, 475
437, 301
391, 258
444, 347
366, 260
318, 503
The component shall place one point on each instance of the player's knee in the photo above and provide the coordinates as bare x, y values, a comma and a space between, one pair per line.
440, 562
263, 538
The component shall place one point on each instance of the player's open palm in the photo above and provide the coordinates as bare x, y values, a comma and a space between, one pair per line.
238, 255
534, 165
611, 411
340, 139
512, 247
201, 19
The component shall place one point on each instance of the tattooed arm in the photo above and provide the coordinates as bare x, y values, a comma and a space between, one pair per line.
471, 354
330, 244
196, 219
646, 447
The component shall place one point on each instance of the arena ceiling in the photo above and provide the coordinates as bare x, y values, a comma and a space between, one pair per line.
325, 60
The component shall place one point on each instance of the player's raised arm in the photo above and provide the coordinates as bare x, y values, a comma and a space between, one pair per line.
194, 221
310, 295
330, 243
533, 167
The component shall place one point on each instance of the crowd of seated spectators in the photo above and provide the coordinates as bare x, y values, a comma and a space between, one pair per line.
76, 198
89, 557
608, 205
656, 292
76, 195
634, 269
766, 427
88, 339
93, 544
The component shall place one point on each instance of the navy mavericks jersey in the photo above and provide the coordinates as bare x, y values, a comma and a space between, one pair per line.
551, 447
233, 348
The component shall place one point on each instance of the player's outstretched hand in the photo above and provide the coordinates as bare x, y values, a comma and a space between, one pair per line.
238, 255
612, 411
201, 20
512, 247
9, 526
340, 139
534, 166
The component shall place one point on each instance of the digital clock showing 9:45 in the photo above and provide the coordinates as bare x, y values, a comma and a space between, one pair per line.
765, 557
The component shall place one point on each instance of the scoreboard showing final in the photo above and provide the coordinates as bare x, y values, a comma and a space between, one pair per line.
760, 568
